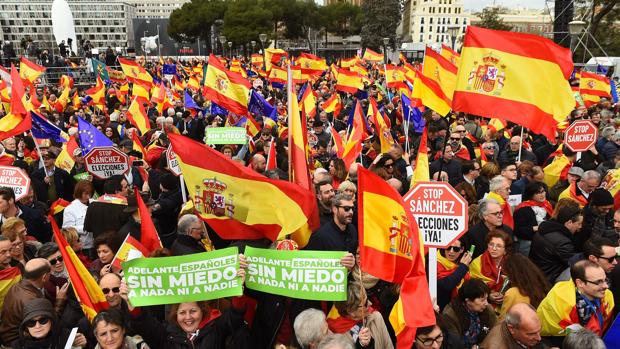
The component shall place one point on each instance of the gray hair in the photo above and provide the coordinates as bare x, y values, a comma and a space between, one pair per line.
592, 174
617, 136
47, 249
336, 341
340, 197
513, 318
347, 185
309, 327
583, 338
483, 206
185, 222
608, 131
497, 182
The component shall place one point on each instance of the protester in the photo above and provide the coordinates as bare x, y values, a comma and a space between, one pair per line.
452, 270
488, 266
75, 213
310, 328
521, 328
526, 283
106, 245
110, 331
21, 250
533, 210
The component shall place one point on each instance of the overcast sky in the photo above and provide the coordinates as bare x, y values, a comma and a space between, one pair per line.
479, 4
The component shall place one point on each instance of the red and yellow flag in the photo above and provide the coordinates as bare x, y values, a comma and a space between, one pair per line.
130, 249
337, 142
257, 60
394, 76
29, 71
274, 55
429, 92
65, 159
449, 54
502, 73
442, 72
346, 63
227, 89
278, 75
382, 129
137, 116
311, 64
8, 278
134, 71
58, 206
348, 81
299, 146
97, 93
372, 56
592, 87
353, 147
18, 120
333, 105
308, 102
237, 202
421, 170
86, 289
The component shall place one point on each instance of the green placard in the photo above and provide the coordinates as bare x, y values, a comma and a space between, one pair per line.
226, 135
315, 275
194, 277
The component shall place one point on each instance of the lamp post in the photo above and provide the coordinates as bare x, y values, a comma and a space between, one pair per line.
253, 43
222, 39
453, 31
344, 48
218, 23
158, 42
386, 42
230, 53
574, 29
263, 38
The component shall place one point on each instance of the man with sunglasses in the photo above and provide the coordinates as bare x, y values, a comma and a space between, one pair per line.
110, 284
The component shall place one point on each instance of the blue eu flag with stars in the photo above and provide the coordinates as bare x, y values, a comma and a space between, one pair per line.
90, 137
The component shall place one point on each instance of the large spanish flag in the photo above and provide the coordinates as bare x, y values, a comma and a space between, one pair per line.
519, 77
349, 81
29, 71
86, 289
277, 75
134, 71
137, 116
394, 76
592, 87
442, 72
372, 56
311, 64
237, 202
227, 89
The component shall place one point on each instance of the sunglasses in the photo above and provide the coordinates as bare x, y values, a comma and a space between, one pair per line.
454, 249
346, 208
56, 260
33, 323
113, 289
455, 139
389, 165
608, 259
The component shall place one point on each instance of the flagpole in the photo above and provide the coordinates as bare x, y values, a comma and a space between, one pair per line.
520, 145
289, 107
42, 164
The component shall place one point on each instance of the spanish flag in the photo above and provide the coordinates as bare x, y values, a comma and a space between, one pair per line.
257, 60
130, 249
592, 87
382, 129
372, 56
18, 120
297, 76
237, 202
449, 54
29, 71
8, 277
86, 289
76, 101
134, 71
346, 63
58, 206
97, 93
508, 220
66, 81
141, 89
278, 75
137, 116
430, 93
308, 102
298, 156
421, 170
193, 83
273, 55
311, 64
348, 81
337, 142
137, 145
65, 158
62, 100
227, 89
333, 105
501, 74
353, 147
556, 170
442, 72
558, 311
394, 76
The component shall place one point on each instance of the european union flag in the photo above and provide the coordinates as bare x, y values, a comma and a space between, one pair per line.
259, 106
612, 337
614, 92
90, 137
217, 110
169, 69
412, 114
43, 129
190, 103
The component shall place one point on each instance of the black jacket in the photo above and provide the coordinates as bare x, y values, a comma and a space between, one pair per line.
104, 216
551, 249
56, 339
36, 223
167, 215
525, 221
185, 244
330, 238
171, 336
62, 180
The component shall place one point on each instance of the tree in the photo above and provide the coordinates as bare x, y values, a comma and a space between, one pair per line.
380, 21
298, 22
342, 18
244, 20
490, 19
194, 20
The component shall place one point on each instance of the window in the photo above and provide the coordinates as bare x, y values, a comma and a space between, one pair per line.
430, 20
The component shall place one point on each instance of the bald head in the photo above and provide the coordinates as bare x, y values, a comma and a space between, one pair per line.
524, 324
36, 268
259, 163
396, 184
353, 170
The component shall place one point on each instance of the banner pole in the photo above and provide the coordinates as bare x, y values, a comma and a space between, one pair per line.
520, 145
432, 272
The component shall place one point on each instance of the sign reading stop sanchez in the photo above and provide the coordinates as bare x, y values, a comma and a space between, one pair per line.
16, 179
105, 162
439, 211
581, 135
173, 161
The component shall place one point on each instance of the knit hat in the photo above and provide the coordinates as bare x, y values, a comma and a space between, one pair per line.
37, 307
601, 197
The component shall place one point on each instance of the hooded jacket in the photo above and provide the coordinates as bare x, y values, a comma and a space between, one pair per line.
551, 249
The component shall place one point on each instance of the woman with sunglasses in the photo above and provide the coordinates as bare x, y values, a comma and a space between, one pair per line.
40, 329
488, 266
452, 271
529, 214
58, 274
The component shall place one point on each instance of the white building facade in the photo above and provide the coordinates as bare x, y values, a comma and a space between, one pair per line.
427, 21
155, 8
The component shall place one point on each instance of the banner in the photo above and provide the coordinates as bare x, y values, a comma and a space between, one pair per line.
226, 135
314, 275
195, 277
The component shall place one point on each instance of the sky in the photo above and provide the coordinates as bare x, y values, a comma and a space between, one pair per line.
479, 4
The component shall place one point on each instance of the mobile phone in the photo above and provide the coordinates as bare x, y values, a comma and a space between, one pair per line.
472, 248
137, 163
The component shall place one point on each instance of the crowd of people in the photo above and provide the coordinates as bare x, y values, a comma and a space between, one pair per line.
537, 267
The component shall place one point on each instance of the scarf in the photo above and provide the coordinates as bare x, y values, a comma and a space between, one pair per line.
545, 204
493, 272
470, 337
572, 190
445, 268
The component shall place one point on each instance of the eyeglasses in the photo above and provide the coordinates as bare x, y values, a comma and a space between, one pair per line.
56, 260
430, 341
488, 148
33, 323
597, 282
346, 208
455, 139
495, 246
113, 289
454, 248
497, 214
608, 259
460, 131
388, 165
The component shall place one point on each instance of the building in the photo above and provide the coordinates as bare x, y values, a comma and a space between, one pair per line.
526, 21
427, 21
104, 23
155, 8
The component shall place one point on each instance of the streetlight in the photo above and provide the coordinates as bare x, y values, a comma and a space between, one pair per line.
386, 42
344, 47
574, 29
223, 42
263, 38
253, 43
453, 31
230, 49
158, 42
